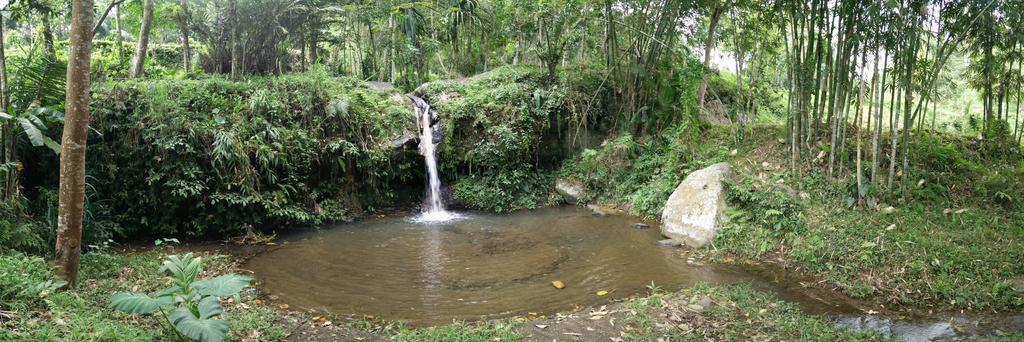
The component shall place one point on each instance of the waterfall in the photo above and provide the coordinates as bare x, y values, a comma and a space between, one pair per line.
433, 207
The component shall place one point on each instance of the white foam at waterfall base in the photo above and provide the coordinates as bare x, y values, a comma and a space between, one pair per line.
434, 209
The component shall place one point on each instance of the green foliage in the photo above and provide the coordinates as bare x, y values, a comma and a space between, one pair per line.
21, 233
922, 254
190, 305
643, 173
504, 130
767, 205
26, 279
211, 156
506, 191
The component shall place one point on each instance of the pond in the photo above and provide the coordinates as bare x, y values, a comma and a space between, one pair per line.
485, 266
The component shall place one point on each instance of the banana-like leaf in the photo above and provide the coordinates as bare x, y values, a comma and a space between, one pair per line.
53, 145
137, 302
210, 307
203, 330
222, 286
35, 136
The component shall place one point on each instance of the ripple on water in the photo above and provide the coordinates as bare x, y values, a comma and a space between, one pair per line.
479, 267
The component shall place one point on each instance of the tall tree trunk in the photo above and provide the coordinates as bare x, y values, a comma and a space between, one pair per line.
875, 147
236, 54
186, 50
71, 200
10, 181
709, 43
139, 60
46, 33
120, 38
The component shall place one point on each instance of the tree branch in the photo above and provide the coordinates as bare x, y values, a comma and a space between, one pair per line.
104, 16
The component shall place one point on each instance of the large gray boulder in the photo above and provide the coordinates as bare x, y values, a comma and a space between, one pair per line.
572, 191
695, 210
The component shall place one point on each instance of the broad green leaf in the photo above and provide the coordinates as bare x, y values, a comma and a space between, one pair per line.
203, 330
222, 286
35, 136
168, 291
53, 145
210, 307
137, 302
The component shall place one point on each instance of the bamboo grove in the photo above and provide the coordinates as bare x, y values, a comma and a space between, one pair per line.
863, 72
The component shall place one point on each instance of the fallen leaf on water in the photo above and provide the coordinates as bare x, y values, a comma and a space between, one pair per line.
602, 293
558, 284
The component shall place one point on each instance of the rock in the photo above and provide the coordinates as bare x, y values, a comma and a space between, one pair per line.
888, 210
668, 243
641, 225
899, 330
700, 305
1017, 284
604, 210
558, 284
571, 190
695, 210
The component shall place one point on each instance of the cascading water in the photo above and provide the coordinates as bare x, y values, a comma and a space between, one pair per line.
433, 210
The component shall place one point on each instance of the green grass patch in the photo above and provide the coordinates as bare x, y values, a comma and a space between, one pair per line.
727, 313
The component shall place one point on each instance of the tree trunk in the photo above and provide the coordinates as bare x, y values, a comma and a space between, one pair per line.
186, 50
875, 147
46, 33
139, 60
709, 43
71, 200
236, 55
120, 39
11, 177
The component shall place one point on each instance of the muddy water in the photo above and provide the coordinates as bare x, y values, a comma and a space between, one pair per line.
489, 266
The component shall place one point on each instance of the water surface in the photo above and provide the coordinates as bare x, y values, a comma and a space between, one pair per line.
488, 266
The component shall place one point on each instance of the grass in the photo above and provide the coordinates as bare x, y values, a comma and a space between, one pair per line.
462, 332
926, 253
729, 313
81, 314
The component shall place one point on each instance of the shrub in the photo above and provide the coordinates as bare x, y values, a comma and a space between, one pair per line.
190, 305
26, 278
768, 205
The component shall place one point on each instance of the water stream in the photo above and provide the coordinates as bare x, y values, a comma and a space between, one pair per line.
433, 210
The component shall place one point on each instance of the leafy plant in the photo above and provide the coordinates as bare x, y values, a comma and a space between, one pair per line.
190, 306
